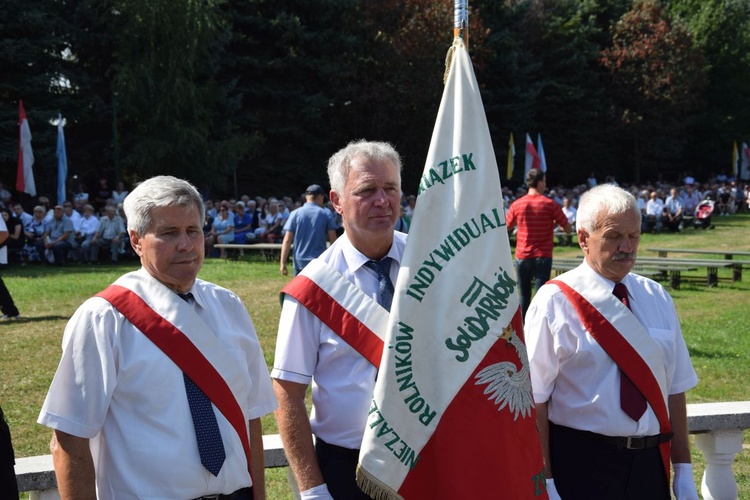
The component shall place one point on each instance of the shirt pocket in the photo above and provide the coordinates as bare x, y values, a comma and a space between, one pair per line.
665, 339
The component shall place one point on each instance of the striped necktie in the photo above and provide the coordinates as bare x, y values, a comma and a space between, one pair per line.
210, 446
385, 285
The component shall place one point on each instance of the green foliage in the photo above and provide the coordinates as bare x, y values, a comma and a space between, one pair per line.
722, 28
253, 96
658, 75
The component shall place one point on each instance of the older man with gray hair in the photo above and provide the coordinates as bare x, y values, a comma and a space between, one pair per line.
316, 346
162, 381
609, 367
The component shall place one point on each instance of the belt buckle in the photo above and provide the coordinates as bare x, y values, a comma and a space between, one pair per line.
635, 443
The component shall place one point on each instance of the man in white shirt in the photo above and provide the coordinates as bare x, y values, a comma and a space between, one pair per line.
673, 211
24, 217
609, 371
365, 179
153, 361
570, 214
654, 212
85, 231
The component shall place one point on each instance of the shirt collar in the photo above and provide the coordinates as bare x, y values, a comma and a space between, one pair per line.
606, 282
356, 259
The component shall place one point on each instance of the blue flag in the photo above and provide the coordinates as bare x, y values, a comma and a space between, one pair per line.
62, 162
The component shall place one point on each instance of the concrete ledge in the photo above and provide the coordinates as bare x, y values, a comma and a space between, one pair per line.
38, 474
706, 417
35, 473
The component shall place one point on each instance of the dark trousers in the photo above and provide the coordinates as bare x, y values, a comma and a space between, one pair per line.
8, 485
536, 269
339, 468
584, 469
6, 301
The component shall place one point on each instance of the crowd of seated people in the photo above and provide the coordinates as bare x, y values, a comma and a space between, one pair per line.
73, 231
89, 231
665, 206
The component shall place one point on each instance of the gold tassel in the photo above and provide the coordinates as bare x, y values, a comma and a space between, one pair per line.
457, 42
375, 488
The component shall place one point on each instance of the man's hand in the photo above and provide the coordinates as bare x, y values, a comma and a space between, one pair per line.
282, 269
320, 492
683, 484
552, 490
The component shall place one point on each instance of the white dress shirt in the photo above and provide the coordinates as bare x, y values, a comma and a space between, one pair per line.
577, 378
308, 351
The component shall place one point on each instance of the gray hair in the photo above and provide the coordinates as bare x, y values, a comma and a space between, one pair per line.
604, 199
159, 191
341, 162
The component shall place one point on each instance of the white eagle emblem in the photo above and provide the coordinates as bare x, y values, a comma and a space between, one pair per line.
506, 385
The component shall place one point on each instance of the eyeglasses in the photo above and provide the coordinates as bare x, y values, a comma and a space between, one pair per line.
222, 209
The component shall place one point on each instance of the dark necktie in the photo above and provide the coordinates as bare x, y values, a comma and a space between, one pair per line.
632, 401
210, 446
385, 285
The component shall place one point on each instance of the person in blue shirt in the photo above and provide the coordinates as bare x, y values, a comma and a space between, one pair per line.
308, 228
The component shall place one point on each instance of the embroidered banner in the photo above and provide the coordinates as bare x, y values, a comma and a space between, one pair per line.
453, 414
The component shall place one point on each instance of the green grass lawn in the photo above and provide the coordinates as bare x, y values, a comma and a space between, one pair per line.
714, 322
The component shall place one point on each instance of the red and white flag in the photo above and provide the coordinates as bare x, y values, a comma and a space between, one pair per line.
453, 415
24, 173
532, 157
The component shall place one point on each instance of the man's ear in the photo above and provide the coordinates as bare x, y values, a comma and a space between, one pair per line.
336, 201
583, 240
135, 241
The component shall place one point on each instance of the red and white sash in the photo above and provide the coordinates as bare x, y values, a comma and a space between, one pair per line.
353, 315
625, 340
175, 328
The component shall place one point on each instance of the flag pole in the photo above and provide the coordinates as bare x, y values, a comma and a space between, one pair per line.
461, 20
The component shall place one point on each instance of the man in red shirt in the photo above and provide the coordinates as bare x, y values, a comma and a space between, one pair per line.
536, 216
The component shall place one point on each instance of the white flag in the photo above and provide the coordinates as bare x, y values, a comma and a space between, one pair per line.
452, 414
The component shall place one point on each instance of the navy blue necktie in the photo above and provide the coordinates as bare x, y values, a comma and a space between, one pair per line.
385, 285
207, 433
632, 401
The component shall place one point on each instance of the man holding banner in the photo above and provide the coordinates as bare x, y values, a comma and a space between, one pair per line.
332, 324
609, 366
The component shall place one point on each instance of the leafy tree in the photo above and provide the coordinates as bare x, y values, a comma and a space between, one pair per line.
568, 108
167, 96
286, 59
658, 76
722, 30
31, 57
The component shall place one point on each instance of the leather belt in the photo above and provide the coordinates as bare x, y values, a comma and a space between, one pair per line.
622, 442
335, 449
242, 494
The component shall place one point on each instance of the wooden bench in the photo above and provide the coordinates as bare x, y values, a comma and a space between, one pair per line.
730, 255
273, 249
712, 266
661, 271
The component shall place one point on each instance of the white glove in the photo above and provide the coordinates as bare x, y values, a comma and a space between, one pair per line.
320, 492
683, 484
552, 491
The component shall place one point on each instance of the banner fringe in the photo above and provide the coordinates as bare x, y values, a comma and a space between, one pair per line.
375, 488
